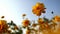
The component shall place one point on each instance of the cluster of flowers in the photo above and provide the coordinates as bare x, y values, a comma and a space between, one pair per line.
42, 24
9, 28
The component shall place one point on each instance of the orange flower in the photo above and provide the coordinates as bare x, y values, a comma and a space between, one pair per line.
57, 18
0, 27
38, 9
34, 25
40, 21
46, 25
3, 26
25, 23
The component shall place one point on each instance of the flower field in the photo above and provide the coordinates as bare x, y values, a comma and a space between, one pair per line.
42, 26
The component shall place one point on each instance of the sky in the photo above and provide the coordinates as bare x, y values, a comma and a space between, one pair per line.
13, 9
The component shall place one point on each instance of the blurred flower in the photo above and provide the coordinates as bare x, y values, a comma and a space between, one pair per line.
38, 9
34, 25
2, 16
3, 26
25, 23
57, 18
40, 21
46, 25
23, 15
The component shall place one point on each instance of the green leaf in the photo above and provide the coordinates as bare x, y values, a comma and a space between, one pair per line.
46, 20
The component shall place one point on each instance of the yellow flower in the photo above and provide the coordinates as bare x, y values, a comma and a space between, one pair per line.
38, 9
3, 26
25, 23
34, 25
46, 25
38, 13
57, 18
40, 21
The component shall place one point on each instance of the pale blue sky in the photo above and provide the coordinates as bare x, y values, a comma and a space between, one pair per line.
13, 9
